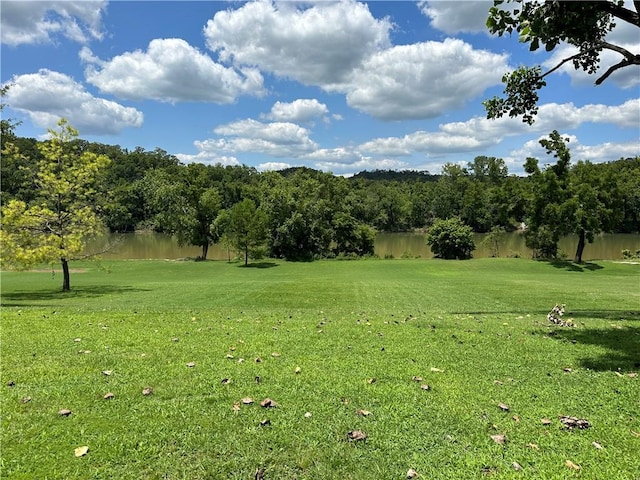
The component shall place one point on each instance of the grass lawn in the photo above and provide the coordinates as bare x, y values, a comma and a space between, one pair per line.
339, 346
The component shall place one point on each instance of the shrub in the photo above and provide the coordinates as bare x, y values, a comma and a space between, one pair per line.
451, 239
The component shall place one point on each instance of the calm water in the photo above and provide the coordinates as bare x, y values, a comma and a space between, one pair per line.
154, 245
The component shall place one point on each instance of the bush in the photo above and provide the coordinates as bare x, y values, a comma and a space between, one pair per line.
451, 239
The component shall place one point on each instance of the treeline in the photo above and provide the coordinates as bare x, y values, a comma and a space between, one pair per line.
300, 213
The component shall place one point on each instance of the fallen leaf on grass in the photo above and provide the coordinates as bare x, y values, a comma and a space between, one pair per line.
434, 369
64, 412
147, 391
229, 356
574, 422
307, 415
298, 370
107, 373
81, 451
503, 407
257, 360
499, 439
371, 381
545, 421
567, 370
225, 381
533, 446
275, 354
109, 396
356, 435
516, 418
416, 379
363, 413
516, 466
635, 434
25, 400
411, 473
632, 374
265, 422
236, 407
572, 465
191, 364
247, 400
259, 475
498, 382
268, 403
425, 387
597, 445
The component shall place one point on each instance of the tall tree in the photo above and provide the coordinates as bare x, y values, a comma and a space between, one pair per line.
246, 226
56, 225
549, 23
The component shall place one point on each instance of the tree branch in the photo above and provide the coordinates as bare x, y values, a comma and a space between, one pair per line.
613, 68
623, 13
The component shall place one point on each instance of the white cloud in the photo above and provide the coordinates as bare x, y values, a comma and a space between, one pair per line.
457, 17
300, 110
278, 139
423, 80
604, 152
271, 166
317, 45
170, 70
208, 157
28, 22
47, 96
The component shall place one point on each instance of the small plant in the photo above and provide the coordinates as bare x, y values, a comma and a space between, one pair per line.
629, 255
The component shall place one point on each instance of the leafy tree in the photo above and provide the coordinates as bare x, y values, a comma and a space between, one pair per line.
451, 239
56, 225
246, 227
351, 236
584, 25
183, 207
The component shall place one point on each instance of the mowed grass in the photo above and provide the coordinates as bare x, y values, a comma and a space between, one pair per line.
322, 340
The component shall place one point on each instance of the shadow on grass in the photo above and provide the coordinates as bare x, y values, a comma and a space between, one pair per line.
21, 297
259, 265
573, 266
622, 344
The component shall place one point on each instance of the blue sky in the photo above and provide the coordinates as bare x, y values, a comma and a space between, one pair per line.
337, 86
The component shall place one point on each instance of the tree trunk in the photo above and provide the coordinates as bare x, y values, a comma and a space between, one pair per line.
581, 243
205, 250
66, 284
246, 254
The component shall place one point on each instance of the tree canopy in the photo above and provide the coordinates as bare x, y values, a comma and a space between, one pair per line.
584, 25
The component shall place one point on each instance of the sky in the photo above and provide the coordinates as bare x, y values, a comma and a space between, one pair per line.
340, 87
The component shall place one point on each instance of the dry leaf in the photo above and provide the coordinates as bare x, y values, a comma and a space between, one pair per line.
516, 466
363, 413
516, 418
81, 451
247, 400
108, 396
416, 379
632, 374
307, 415
25, 400
344, 401
545, 421
225, 381
534, 446
229, 356
618, 374
574, 422
64, 412
356, 435
77, 339
298, 370
498, 382
275, 354
236, 407
572, 465
635, 434
411, 473
147, 391
500, 439
265, 422
503, 406
107, 372
259, 475
191, 364
425, 387
268, 403
433, 369
175, 339
597, 445
371, 381
257, 360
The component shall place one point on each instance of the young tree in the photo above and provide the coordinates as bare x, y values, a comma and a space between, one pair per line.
56, 225
246, 227
451, 239
584, 25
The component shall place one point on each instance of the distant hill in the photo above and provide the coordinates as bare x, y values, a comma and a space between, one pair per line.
397, 175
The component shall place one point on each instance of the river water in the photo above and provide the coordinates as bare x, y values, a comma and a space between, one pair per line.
397, 245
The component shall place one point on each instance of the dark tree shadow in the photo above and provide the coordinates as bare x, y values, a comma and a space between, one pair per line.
573, 266
23, 298
259, 265
622, 344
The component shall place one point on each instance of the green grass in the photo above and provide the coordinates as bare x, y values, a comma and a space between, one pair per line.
481, 324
